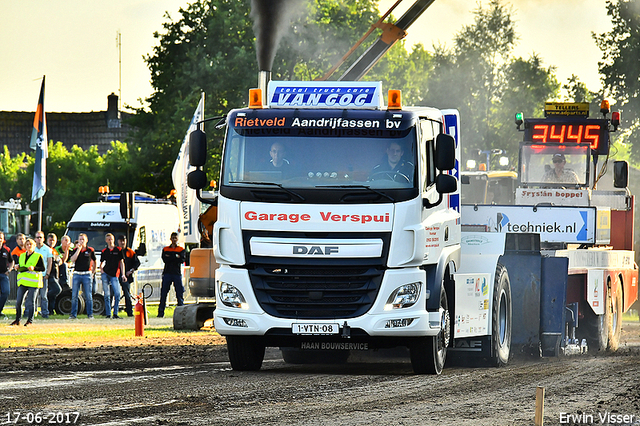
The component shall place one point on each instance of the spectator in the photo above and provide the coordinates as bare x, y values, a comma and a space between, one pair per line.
111, 265
131, 264
18, 249
84, 258
6, 265
173, 257
47, 258
30, 268
63, 252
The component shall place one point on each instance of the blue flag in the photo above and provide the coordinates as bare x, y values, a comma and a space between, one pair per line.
39, 143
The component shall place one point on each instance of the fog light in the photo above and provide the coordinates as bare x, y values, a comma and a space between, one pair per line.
396, 323
403, 297
234, 322
231, 296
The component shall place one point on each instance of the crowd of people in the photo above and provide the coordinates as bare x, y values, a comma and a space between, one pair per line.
43, 270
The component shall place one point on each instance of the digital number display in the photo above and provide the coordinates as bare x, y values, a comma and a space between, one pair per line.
594, 133
561, 133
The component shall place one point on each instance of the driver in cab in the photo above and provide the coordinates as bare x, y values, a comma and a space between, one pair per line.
394, 167
558, 174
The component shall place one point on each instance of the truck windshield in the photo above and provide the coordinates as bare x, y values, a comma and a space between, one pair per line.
379, 159
8, 222
96, 236
550, 166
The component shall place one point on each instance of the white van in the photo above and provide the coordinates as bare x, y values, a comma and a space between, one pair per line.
148, 232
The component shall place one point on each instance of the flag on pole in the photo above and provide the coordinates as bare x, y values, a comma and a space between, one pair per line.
39, 143
188, 203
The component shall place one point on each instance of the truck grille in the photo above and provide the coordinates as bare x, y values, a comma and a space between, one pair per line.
315, 293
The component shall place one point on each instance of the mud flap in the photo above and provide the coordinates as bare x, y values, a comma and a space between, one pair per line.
524, 263
553, 297
192, 317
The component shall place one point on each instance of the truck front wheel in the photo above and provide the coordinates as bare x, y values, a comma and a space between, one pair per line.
246, 353
428, 354
501, 318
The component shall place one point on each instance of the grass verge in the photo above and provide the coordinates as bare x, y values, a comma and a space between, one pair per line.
59, 331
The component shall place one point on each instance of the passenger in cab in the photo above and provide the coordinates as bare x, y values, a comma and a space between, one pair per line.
394, 166
558, 174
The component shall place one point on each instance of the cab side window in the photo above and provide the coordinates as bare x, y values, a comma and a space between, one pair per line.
427, 142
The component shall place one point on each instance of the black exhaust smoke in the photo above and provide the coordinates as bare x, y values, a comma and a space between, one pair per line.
271, 19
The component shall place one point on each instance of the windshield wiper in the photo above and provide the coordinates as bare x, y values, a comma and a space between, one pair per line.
375, 191
279, 185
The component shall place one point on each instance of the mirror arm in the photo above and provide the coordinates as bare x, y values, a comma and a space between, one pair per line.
427, 204
209, 201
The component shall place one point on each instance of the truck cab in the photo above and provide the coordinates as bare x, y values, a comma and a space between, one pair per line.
338, 224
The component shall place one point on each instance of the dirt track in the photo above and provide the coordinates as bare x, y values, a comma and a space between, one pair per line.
187, 381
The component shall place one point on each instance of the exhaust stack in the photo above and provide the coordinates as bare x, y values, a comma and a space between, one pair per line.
263, 81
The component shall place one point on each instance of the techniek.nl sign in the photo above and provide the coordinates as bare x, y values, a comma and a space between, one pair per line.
553, 223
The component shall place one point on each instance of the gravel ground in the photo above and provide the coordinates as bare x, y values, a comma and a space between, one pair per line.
187, 380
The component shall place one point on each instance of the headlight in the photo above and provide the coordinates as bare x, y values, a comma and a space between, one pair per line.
231, 296
403, 297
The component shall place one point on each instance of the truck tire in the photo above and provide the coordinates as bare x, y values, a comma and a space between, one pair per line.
615, 317
98, 304
501, 318
595, 328
63, 303
428, 354
246, 353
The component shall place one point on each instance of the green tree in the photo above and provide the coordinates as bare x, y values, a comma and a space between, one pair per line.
479, 77
578, 91
211, 49
620, 73
527, 85
73, 178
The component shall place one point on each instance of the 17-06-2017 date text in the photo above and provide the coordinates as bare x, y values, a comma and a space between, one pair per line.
40, 417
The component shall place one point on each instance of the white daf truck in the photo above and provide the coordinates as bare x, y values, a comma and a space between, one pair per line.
339, 230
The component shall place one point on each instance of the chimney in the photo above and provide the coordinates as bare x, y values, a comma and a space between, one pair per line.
113, 115
263, 82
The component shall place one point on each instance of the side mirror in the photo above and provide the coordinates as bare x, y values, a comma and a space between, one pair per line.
197, 148
127, 207
197, 179
445, 152
141, 250
446, 184
620, 174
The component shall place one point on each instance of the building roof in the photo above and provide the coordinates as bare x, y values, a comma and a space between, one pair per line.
83, 129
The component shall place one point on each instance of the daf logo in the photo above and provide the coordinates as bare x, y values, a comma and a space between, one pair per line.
315, 250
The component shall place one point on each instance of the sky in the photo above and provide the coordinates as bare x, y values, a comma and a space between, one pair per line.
73, 43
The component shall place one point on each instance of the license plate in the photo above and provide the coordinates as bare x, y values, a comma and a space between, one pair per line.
328, 328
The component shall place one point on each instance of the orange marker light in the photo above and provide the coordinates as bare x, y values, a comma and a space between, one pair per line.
604, 106
395, 99
255, 98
